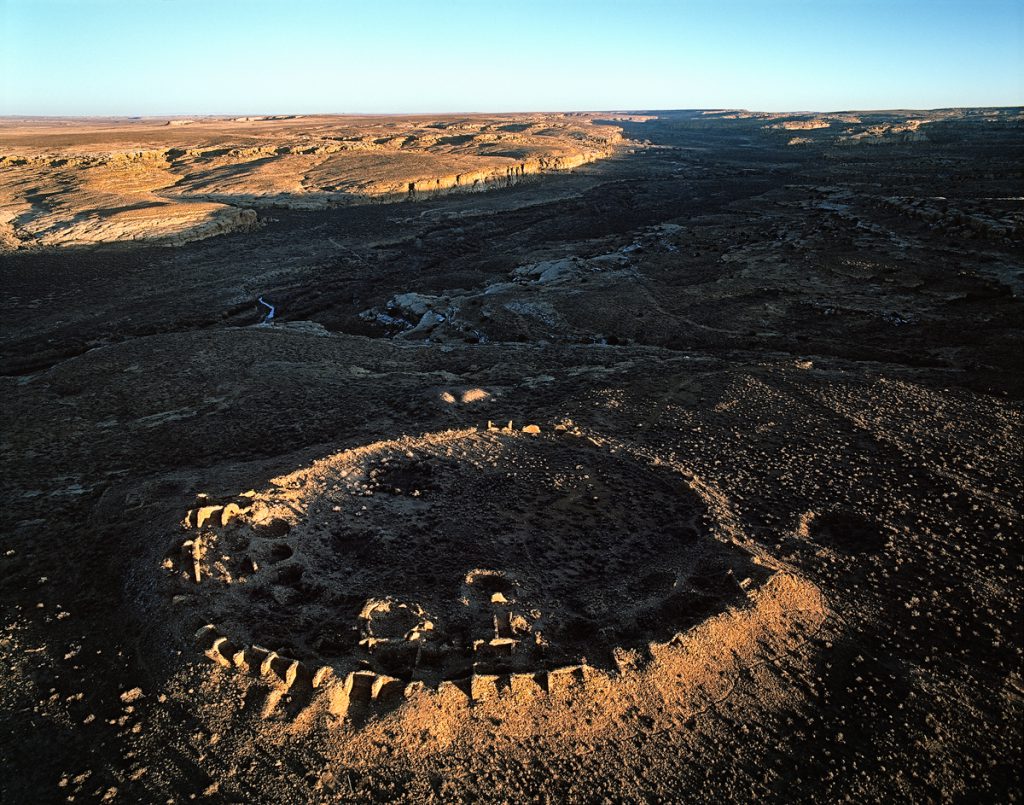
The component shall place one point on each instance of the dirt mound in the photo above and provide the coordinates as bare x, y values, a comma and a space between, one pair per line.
494, 557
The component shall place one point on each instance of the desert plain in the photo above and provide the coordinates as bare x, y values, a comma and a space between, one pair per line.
635, 456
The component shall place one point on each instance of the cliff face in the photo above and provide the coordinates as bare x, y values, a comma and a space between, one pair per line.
173, 182
801, 125
897, 132
868, 128
486, 179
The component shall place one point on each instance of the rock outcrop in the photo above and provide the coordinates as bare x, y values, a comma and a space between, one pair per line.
184, 179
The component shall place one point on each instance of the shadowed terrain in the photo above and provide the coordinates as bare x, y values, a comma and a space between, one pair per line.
691, 472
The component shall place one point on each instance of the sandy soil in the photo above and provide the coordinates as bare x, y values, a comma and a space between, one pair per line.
691, 474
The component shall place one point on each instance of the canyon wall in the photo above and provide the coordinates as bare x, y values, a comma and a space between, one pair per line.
72, 183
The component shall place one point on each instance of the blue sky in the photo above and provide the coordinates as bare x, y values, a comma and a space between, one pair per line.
151, 57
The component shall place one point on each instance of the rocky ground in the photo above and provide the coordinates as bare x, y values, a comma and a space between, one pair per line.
691, 474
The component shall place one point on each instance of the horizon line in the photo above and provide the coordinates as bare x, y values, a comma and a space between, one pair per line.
621, 111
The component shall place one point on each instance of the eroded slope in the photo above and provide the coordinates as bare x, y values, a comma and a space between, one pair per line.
795, 364
80, 182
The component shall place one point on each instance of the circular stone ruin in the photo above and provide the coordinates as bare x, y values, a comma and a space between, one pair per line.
458, 554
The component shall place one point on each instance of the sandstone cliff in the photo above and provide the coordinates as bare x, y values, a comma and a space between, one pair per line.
170, 182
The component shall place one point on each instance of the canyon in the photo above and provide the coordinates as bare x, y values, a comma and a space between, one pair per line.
620, 456
175, 181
